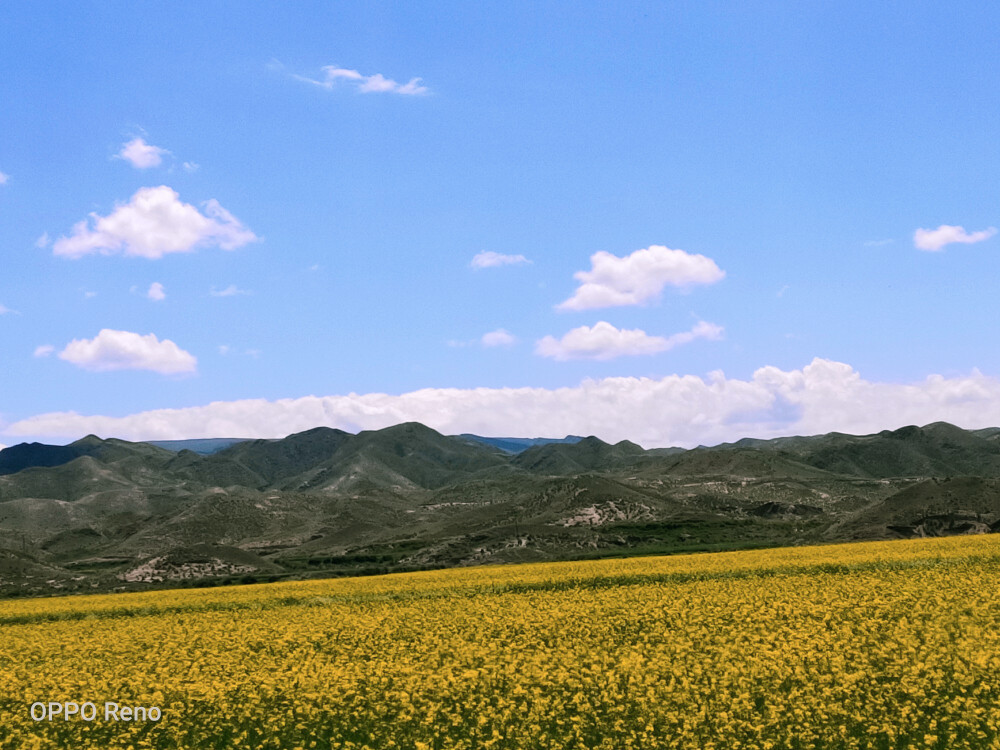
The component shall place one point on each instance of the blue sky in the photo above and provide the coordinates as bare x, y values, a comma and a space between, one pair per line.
705, 220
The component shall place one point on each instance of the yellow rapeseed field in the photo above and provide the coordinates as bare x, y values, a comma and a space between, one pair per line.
873, 645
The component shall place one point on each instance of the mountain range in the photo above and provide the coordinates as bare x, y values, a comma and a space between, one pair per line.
108, 514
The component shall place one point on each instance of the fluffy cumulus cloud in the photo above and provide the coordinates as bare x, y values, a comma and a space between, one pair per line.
683, 410
639, 277
124, 350
153, 223
935, 239
499, 337
365, 84
142, 155
156, 292
490, 259
604, 341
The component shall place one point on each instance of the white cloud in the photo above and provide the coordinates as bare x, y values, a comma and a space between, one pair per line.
333, 73
156, 292
4, 310
142, 155
43, 241
372, 84
604, 341
124, 350
490, 259
639, 277
935, 239
190, 166
499, 337
878, 243
230, 291
225, 350
681, 410
153, 223
4, 178
45, 350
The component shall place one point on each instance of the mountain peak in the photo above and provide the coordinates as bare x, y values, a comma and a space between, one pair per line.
317, 432
88, 441
407, 428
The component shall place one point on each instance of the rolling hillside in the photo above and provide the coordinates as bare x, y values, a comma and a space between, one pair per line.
109, 514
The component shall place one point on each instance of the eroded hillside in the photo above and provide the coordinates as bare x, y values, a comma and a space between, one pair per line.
109, 514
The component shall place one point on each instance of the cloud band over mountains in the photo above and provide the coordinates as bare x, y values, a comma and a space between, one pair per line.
683, 410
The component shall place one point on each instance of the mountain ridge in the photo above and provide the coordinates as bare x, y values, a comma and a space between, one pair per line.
107, 514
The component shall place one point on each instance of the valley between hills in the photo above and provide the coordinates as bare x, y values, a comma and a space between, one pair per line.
110, 515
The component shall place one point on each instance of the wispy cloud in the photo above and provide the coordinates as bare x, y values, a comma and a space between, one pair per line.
638, 277
4, 178
45, 350
377, 83
124, 350
935, 239
190, 166
4, 310
490, 259
225, 350
152, 224
230, 291
141, 155
603, 341
879, 243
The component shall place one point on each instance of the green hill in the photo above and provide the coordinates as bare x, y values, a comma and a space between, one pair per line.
102, 514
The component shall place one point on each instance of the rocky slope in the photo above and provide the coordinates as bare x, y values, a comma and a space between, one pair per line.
110, 514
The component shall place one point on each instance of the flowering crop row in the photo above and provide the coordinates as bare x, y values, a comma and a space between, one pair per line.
874, 645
